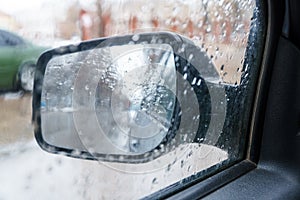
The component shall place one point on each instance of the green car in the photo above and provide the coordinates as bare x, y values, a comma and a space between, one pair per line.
17, 62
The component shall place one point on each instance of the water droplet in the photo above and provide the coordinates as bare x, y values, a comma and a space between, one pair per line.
222, 67
185, 68
169, 167
200, 139
199, 82
136, 37
194, 81
208, 29
154, 181
184, 92
170, 105
185, 76
182, 49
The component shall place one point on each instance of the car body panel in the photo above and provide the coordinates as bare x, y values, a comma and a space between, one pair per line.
11, 60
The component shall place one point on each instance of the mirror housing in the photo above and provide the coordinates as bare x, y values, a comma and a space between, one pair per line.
106, 77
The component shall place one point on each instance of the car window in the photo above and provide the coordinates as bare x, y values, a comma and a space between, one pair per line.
9, 39
210, 136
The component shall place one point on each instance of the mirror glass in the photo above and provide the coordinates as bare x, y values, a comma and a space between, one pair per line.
112, 100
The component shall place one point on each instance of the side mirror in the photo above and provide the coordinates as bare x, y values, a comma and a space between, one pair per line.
126, 99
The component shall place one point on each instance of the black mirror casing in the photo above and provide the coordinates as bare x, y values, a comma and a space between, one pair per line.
190, 62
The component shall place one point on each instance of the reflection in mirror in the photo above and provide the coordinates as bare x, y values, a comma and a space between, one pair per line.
111, 100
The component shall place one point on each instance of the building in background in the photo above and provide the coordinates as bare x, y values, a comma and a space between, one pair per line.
8, 22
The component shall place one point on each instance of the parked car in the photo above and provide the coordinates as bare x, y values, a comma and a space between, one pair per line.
17, 61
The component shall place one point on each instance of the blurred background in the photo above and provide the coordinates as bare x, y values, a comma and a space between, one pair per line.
52, 22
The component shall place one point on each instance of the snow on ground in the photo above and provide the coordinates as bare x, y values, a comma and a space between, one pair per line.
27, 172
30, 173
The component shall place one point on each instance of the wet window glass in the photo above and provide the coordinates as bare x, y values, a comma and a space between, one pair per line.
187, 102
